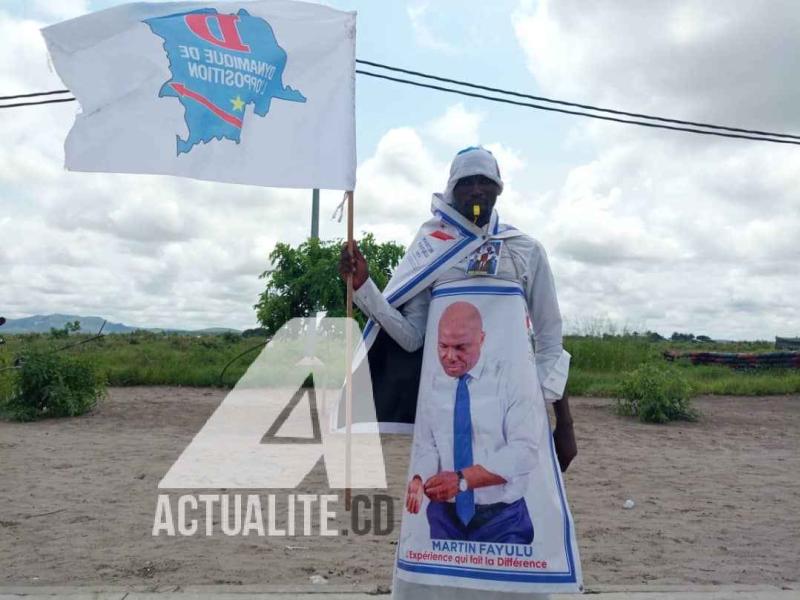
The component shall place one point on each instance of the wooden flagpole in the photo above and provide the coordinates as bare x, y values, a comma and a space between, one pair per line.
349, 362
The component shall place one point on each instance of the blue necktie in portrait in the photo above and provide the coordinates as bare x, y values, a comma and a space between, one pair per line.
462, 447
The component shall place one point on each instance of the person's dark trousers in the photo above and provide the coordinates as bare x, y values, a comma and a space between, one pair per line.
501, 523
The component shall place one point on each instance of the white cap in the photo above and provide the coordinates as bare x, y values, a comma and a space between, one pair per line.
475, 160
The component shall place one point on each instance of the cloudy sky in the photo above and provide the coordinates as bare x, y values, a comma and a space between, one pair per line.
645, 229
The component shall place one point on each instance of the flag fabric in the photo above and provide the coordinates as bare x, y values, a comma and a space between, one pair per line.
259, 93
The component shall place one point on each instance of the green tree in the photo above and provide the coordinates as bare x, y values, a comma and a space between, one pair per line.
305, 279
682, 337
68, 328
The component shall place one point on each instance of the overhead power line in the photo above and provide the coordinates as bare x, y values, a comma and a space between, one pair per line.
580, 113
691, 126
34, 94
53, 101
575, 104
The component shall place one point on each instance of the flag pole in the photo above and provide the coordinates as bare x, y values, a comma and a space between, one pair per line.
349, 361
315, 214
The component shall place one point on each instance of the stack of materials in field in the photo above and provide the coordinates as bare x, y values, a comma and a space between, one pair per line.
782, 343
740, 360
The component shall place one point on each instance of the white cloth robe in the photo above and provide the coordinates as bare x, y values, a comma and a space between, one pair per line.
524, 260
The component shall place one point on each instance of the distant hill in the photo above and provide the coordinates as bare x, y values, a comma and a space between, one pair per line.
43, 324
212, 331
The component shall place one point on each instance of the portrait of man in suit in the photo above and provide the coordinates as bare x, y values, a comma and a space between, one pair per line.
476, 444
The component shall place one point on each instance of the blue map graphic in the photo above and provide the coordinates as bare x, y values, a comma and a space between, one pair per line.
219, 64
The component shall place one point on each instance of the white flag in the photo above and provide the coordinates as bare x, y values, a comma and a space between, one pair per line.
258, 93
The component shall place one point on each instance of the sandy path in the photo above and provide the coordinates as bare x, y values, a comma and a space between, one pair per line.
716, 501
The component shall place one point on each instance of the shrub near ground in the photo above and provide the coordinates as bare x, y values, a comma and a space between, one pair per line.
48, 384
656, 394
597, 367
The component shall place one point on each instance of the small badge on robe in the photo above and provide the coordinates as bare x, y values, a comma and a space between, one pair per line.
420, 255
486, 259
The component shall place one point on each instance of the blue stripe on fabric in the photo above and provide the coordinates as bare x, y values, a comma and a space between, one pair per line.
455, 223
493, 574
368, 328
480, 290
567, 535
441, 260
470, 237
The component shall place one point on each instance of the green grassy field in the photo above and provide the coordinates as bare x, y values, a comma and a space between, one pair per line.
149, 358
598, 363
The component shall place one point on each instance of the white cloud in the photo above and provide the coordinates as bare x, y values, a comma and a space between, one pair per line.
396, 183
417, 13
677, 231
26, 68
659, 229
457, 128
684, 58
49, 11
162, 251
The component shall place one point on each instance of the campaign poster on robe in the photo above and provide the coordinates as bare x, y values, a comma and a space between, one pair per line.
481, 412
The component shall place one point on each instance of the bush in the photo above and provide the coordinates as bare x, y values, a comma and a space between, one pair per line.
6, 385
257, 332
231, 337
51, 385
64, 331
656, 394
211, 342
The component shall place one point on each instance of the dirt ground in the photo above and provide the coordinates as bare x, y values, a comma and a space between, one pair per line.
716, 502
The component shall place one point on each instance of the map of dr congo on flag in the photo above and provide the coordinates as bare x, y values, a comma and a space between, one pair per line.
220, 63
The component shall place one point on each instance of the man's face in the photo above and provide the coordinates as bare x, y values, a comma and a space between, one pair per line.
475, 190
459, 345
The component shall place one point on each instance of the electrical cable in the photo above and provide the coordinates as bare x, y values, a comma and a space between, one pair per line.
55, 101
576, 104
709, 129
51, 93
578, 113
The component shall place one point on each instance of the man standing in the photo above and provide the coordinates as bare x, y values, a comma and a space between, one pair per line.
472, 190
441, 262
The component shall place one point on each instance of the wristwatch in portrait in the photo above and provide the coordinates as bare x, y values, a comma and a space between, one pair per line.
462, 482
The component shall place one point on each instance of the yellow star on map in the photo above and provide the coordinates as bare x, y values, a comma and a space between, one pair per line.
238, 103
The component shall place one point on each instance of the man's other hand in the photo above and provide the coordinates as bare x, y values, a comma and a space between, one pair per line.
564, 434
566, 447
442, 486
414, 495
355, 264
